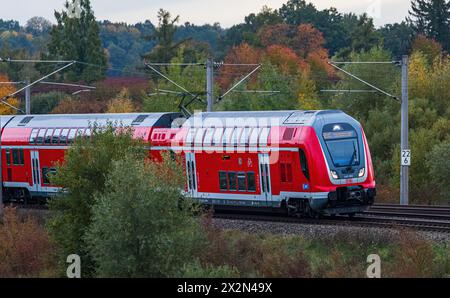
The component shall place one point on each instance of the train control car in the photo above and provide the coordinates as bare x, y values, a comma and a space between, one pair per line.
31, 146
304, 162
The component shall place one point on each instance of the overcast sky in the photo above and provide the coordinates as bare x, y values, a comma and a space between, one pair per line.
226, 12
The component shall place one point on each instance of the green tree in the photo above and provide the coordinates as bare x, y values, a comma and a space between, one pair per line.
440, 168
139, 228
76, 37
432, 18
164, 34
83, 175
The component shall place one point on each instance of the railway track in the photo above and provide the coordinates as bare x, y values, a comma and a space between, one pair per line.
425, 218
411, 211
418, 217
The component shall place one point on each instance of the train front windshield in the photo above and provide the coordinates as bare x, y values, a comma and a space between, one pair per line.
342, 144
344, 152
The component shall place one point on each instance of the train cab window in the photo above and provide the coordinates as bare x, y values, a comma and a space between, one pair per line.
33, 136
56, 134
304, 164
242, 182
217, 136
18, 158
251, 185
232, 181
71, 137
40, 137
47, 173
223, 182
8, 157
48, 136
264, 137
63, 136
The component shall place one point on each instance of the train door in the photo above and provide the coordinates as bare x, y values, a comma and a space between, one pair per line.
36, 172
192, 185
264, 174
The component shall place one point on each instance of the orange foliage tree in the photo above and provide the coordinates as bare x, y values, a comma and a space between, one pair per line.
286, 60
6, 89
242, 54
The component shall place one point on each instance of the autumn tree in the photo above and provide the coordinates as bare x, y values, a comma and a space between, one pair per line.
5, 90
285, 59
429, 47
122, 103
242, 54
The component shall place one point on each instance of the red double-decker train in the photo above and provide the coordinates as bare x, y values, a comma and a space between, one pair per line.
302, 162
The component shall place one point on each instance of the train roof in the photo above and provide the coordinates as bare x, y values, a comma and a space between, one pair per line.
85, 120
261, 118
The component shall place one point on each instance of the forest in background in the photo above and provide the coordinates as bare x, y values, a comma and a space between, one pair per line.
293, 44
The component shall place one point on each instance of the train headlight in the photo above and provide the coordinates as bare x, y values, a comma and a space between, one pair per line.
334, 175
362, 172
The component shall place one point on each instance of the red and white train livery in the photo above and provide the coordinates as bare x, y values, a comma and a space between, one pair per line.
305, 162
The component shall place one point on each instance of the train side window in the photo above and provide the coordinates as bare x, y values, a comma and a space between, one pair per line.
244, 139
223, 182
304, 164
283, 172
48, 136
289, 172
18, 159
72, 133
8, 157
40, 137
227, 135
208, 137
251, 184
199, 137
46, 175
190, 137
242, 182
264, 137
232, 181
88, 133
254, 136
56, 134
33, 136
217, 137
63, 136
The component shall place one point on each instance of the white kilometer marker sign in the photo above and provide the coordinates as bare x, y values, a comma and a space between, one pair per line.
406, 158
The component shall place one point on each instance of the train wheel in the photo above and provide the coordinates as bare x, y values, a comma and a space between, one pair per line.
351, 215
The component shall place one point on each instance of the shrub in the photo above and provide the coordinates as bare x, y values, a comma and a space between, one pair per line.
25, 248
139, 228
83, 175
196, 270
